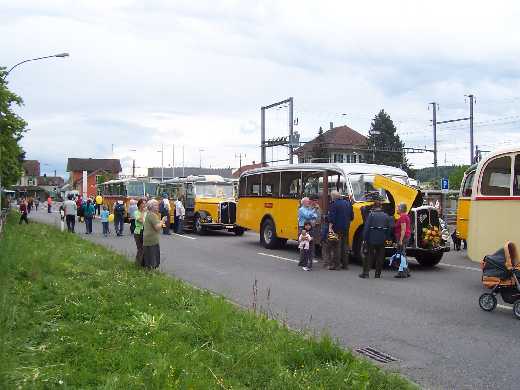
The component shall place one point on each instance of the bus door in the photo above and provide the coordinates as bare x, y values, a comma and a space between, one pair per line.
189, 203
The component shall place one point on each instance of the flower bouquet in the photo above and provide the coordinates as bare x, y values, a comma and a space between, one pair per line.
431, 237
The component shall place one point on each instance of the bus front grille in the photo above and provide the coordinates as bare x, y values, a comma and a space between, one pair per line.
228, 212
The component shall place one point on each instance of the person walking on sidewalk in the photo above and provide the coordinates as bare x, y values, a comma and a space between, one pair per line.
164, 209
36, 203
24, 210
99, 204
140, 216
340, 216
180, 212
104, 220
378, 228
132, 208
119, 217
49, 204
70, 208
89, 211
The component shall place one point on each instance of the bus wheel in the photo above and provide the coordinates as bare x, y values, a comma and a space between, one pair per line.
197, 226
239, 231
268, 235
428, 259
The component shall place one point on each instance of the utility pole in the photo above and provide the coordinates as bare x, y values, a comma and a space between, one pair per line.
434, 122
471, 147
263, 157
183, 160
133, 167
239, 155
173, 161
291, 129
162, 162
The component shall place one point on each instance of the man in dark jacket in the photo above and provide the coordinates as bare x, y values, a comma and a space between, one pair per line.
340, 216
378, 228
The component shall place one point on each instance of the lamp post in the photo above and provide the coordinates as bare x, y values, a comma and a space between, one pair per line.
200, 157
162, 162
60, 55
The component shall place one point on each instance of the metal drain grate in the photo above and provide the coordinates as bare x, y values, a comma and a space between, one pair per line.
376, 355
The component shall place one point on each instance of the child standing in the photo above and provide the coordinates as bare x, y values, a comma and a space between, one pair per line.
104, 220
304, 245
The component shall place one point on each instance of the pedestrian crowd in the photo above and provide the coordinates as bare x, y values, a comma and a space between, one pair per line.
330, 231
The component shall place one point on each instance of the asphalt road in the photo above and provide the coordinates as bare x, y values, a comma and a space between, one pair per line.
431, 323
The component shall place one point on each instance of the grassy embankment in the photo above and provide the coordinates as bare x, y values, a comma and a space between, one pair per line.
76, 314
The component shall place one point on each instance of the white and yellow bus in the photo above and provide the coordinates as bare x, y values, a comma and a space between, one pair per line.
269, 199
494, 210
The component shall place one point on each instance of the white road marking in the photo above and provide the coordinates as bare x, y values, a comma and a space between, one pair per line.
461, 267
184, 236
505, 307
281, 258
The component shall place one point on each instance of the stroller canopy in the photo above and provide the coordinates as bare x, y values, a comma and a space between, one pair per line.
501, 263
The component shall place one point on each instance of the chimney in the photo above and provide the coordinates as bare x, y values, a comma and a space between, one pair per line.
331, 125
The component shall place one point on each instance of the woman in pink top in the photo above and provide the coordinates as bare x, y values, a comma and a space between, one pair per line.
402, 228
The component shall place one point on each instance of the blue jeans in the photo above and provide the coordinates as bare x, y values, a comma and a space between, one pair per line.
120, 223
105, 228
88, 224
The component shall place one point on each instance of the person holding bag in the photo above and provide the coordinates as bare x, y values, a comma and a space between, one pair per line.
402, 234
140, 215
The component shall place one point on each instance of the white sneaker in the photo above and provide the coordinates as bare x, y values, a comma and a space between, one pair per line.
306, 269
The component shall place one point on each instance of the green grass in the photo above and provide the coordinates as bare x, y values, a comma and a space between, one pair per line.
76, 315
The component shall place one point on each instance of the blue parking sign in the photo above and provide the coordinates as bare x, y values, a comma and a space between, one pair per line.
445, 184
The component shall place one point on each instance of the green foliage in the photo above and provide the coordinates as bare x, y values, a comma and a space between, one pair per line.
319, 150
425, 175
78, 315
456, 176
387, 146
12, 128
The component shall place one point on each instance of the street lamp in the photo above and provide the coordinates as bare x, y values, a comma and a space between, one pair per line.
133, 162
162, 162
200, 157
60, 55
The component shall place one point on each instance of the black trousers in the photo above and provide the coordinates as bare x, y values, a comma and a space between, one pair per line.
376, 254
88, 225
71, 222
23, 217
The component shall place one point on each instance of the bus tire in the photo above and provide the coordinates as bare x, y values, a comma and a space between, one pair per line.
239, 231
428, 259
197, 226
357, 247
268, 235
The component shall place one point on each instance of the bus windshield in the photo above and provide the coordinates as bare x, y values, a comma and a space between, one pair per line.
135, 188
213, 190
362, 184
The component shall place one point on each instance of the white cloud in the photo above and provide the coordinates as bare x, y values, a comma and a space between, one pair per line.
196, 73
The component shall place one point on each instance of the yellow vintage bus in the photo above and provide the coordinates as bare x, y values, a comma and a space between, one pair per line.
208, 201
126, 189
464, 201
495, 203
269, 199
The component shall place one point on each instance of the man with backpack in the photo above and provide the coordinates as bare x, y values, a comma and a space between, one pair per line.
119, 217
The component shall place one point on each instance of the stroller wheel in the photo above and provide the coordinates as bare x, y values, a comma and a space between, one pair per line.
516, 310
488, 302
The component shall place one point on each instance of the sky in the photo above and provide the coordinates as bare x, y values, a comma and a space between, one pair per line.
192, 75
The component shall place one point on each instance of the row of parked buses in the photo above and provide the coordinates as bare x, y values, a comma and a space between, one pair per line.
488, 211
209, 200
266, 201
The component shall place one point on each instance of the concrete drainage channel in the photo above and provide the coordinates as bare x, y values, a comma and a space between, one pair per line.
376, 355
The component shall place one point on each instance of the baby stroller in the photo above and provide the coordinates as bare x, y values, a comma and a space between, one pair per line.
500, 274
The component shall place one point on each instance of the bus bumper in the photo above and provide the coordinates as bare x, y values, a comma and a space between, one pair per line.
218, 226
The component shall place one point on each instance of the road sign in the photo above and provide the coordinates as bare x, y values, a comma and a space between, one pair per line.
445, 184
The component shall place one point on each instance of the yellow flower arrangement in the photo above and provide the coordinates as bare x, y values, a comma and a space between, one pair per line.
431, 237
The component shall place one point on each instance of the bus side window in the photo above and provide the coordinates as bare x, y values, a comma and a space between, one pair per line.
516, 178
291, 185
468, 184
242, 186
496, 179
253, 185
271, 184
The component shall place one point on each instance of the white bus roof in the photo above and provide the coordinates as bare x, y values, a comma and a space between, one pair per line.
347, 169
130, 179
198, 178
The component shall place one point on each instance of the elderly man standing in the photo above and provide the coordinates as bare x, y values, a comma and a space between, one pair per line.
340, 216
378, 228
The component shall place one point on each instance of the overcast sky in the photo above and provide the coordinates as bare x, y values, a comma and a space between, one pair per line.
195, 73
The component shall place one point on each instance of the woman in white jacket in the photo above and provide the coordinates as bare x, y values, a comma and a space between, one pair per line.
179, 216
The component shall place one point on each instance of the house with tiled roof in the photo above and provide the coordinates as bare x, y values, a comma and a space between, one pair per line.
98, 170
338, 144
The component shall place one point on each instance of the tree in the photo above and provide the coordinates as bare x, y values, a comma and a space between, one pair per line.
385, 144
319, 151
12, 128
456, 176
